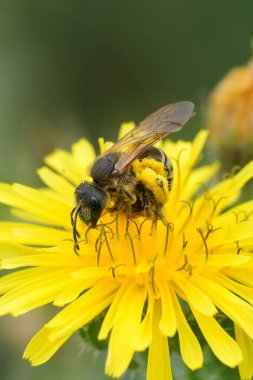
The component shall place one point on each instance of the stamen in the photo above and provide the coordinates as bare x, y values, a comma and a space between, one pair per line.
141, 225
111, 222
107, 225
235, 170
169, 227
245, 216
200, 231
210, 229
226, 175
98, 248
216, 203
205, 188
185, 242
152, 271
113, 269
110, 231
239, 249
186, 265
103, 235
127, 234
106, 241
190, 204
136, 225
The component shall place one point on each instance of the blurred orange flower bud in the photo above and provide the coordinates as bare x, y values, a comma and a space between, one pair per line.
230, 117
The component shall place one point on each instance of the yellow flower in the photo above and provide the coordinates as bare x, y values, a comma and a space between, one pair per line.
143, 282
231, 116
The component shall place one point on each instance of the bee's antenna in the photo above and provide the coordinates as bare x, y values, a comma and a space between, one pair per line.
73, 215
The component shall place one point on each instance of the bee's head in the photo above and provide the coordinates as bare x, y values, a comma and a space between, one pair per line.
91, 201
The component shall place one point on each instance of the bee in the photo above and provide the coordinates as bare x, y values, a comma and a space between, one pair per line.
132, 174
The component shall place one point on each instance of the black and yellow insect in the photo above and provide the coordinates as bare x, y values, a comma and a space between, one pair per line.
132, 174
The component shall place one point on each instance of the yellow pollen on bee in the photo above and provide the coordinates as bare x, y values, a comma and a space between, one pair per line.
153, 176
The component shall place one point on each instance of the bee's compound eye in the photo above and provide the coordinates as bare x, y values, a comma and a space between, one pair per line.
95, 202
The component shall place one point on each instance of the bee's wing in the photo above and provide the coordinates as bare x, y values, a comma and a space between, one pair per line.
156, 126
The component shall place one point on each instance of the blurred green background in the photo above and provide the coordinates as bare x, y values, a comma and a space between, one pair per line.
79, 68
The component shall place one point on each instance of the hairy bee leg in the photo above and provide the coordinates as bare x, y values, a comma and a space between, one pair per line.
130, 197
74, 215
128, 213
162, 217
117, 221
130, 200
159, 214
147, 209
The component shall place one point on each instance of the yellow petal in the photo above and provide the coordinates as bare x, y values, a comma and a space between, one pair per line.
235, 214
35, 202
40, 348
57, 183
242, 291
34, 293
246, 345
189, 346
83, 156
168, 323
143, 336
11, 250
62, 162
233, 233
125, 128
198, 177
43, 260
126, 324
221, 343
232, 306
83, 309
229, 189
219, 260
111, 313
72, 291
25, 233
10, 281
242, 275
196, 298
158, 367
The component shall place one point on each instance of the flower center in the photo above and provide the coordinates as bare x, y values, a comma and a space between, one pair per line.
138, 248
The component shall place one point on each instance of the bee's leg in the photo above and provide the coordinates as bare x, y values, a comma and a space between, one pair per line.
73, 215
129, 197
150, 214
128, 214
160, 215
147, 206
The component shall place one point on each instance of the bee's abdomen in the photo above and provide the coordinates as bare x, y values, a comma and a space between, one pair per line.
169, 170
154, 173
160, 156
